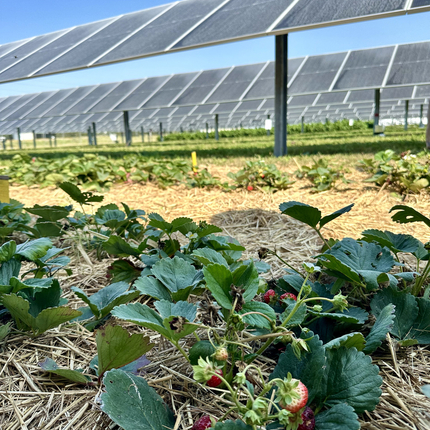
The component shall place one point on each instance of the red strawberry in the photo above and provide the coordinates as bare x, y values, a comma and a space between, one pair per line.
249, 187
262, 176
299, 402
287, 296
215, 381
308, 418
202, 423
269, 297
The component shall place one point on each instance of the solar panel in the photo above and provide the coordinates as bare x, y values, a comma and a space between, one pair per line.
314, 12
329, 98
249, 105
317, 74
6, 102
91, 99
97, 45
8, 47
237, 19
204, 109
201, 87
225, 108
302, 100
420, 3
411, 64
142, 93
49, 103
28, 107
365, 68
68, 102
236, 83
18, 103
397, 93
46, 54
423, 91
22, 52
165, 30
182, 111
170, 90
362, 95
116, 96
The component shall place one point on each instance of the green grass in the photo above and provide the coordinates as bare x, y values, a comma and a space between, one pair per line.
350, 145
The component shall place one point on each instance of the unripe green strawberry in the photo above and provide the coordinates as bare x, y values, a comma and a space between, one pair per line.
221, 354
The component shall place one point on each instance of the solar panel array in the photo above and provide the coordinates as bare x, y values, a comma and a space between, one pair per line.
188, 24
335, 85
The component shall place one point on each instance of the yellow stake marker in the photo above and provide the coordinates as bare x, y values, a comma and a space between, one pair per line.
194, 159
4, 189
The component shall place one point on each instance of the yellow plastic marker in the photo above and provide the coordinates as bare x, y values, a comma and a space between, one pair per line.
4, 189
194, 159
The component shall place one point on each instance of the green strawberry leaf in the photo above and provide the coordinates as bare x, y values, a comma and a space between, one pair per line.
49, 213
49, 365
328, 218
406, 310
152, 287
132, 404
383, 324
34, 249
208, 256
117, 246
406, 214
78, 196
340, 416
350, 340
258, 320
358, 261
103, 301
7, 251
117, 348
301, 212
219, 280
394, 242
350, 377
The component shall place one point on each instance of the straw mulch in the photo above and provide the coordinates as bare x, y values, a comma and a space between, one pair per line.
30, 399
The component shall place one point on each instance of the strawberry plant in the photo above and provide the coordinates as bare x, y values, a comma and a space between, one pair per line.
34, 303
260, 175
321, 175
404, 173
12, 219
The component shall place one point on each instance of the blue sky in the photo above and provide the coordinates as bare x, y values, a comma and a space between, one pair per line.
26, 18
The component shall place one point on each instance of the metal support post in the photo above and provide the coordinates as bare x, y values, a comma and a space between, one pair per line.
34, 139
4, 144
18, 133
207, 131
142, 134
406, 114
216, 127
55, 140
428, 128
90, 138
421, 116
50, 139
161, 132
281, 93
303, 124
181, 129
94, 134
377, 110
127, 133
11, 142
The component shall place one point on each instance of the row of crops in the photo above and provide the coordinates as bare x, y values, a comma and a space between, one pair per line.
317, 326
403, 173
